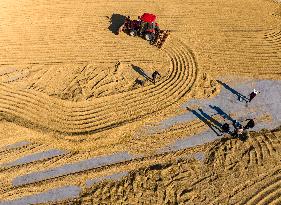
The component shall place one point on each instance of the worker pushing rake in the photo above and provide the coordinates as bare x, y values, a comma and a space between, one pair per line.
146, 27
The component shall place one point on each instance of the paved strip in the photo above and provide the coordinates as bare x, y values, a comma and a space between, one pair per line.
34, 157
72, 168
15, 145
53, 195
116, 176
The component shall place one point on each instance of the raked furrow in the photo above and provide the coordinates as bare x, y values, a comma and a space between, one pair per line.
44, 111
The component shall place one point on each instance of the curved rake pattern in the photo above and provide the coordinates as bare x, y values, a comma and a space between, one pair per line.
83, 117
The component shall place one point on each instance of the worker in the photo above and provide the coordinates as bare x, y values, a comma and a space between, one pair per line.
250, 124
238, 128
154, 76
253, 95
225, 127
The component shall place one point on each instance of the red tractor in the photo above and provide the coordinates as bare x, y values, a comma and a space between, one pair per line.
145, 27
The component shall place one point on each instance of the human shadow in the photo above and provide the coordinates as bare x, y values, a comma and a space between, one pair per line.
239, 95
222, 113
206, 119
141, 72
116, 21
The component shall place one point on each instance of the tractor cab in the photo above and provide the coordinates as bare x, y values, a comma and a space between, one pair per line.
148, 26
145, 27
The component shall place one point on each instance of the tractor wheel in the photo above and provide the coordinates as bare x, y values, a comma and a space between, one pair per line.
133, 33
149, 36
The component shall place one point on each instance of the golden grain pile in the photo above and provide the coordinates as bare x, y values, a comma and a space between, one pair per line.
68, 82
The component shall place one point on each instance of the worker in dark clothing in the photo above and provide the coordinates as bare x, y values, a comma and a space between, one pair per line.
250, 124
238, 129
154, 76
225, 127
253, 95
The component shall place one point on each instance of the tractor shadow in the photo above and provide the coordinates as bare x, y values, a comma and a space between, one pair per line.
116, 21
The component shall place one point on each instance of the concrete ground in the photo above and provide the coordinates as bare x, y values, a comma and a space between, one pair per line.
231, 104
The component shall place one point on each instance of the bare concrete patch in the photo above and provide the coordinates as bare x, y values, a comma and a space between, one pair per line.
34, 157
264, 108
199, 156
71, 168
268, 102
53, 195
114, 177
192, 141
15, 146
